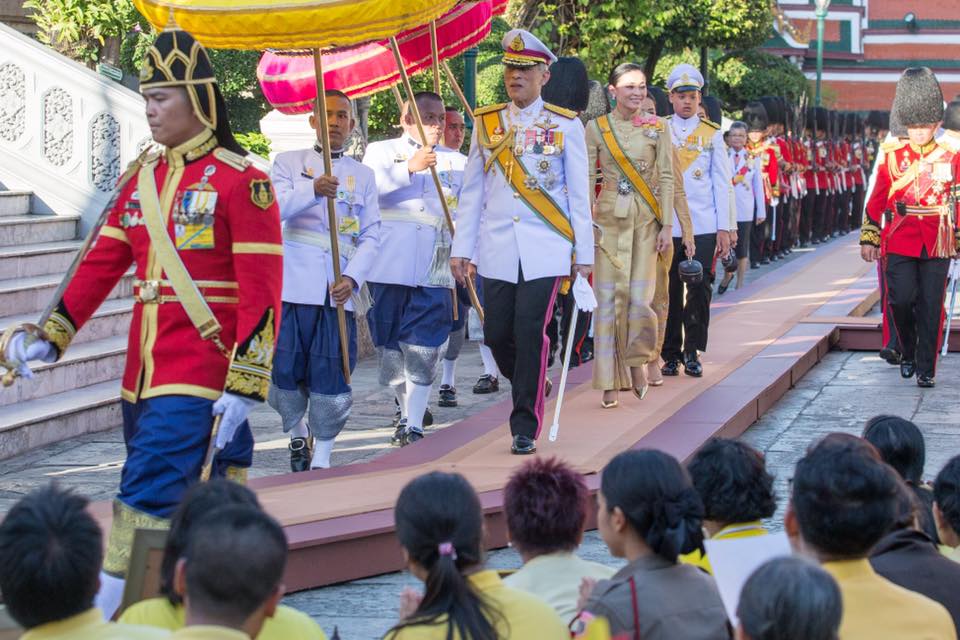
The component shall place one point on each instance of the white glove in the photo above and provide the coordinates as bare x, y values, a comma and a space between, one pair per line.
235, 410
19, 351
774, 202
583, 294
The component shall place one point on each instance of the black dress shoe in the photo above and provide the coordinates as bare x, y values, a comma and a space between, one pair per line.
486, 384
396, 440
692, 366
907, 368
774, 257
764, 260
804, 244
754, 265
448, 396
670, 368
925, 381
427, 417
816, 241
410, 436
892, 356
299, 455
523, 446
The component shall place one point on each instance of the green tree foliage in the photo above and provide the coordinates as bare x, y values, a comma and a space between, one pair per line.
741, 77
79, 29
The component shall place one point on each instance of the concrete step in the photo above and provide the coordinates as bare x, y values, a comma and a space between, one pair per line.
83, 365
111, 319
15, 203
23, 295
34, 229
35, 423
19, 261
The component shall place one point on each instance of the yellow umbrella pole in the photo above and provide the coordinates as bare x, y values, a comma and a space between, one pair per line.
320, 111
435, 54
397, 97
471, 290
452, 79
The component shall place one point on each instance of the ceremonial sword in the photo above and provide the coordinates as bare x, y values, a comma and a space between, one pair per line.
35, 331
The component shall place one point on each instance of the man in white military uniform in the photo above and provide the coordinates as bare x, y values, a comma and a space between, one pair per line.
308, 371
410, 281
706, 171
748, 197
524, 220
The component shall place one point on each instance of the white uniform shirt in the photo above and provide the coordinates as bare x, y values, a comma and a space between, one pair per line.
748, 189
498, 231
706, 180
308, 266
407, 246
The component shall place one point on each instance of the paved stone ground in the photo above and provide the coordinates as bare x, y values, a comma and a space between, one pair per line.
839, 394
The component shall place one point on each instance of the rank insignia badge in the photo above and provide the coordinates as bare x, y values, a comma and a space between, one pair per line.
261, 194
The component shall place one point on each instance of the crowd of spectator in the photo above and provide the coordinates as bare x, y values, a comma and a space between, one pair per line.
876, 553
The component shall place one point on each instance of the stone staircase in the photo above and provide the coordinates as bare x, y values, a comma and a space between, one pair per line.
80, 393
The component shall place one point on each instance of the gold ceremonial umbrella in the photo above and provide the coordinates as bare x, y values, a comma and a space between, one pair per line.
297, 24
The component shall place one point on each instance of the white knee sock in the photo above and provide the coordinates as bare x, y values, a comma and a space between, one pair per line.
110, 595
417, 397
321, 453
449, 372
489, 364
300, 430
400, 391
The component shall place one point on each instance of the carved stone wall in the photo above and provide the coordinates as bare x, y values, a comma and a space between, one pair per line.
13, 104
104, 151
57, 126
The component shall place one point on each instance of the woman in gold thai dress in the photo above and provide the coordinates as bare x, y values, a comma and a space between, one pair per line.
633, 213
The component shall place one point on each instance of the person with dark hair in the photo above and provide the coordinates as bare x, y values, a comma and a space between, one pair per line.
789, 599
908, 557
748, 197
50, 553
545, 502
230, 576
946, 507
569, 84
308, 387
524, 224
707, 176
200, 227
167, 611
649, 513
920, 225
737, 492
454, 128
900, 444
439, 524
410, 281
635, 158
843, 501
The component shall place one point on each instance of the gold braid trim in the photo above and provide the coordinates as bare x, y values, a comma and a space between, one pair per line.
59, 329
237, 474
249, 373
870, 234
126, 520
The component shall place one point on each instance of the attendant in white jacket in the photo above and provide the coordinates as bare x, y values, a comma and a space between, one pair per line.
308, 388
748, 198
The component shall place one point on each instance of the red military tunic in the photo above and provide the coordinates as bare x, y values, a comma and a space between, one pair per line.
785, 156
922, 179
235, 260
771, 171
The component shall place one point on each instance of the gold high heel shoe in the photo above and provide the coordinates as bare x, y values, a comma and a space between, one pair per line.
641, 393
609, 404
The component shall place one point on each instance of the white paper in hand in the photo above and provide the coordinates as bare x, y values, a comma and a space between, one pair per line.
583, 294
734, 559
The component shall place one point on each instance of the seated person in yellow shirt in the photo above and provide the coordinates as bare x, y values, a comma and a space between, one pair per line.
440, 527
167, 611
842, 502
546, 504
51, 550
736, 489
231, 575
789, 599
946, 508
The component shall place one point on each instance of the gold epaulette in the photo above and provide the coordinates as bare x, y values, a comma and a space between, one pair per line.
892, 145
229, 158
489, 109
710, 123
950, 141
560, 111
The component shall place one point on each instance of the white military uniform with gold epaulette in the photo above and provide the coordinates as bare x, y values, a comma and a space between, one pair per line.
307, 371
707, 176
524, 219
410, 279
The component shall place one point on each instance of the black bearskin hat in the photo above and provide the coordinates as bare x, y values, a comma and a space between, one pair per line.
755, 115
918, 99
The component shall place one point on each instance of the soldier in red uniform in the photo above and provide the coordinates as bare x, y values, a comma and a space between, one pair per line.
858, 172
201, 227
916, 191
758, 146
